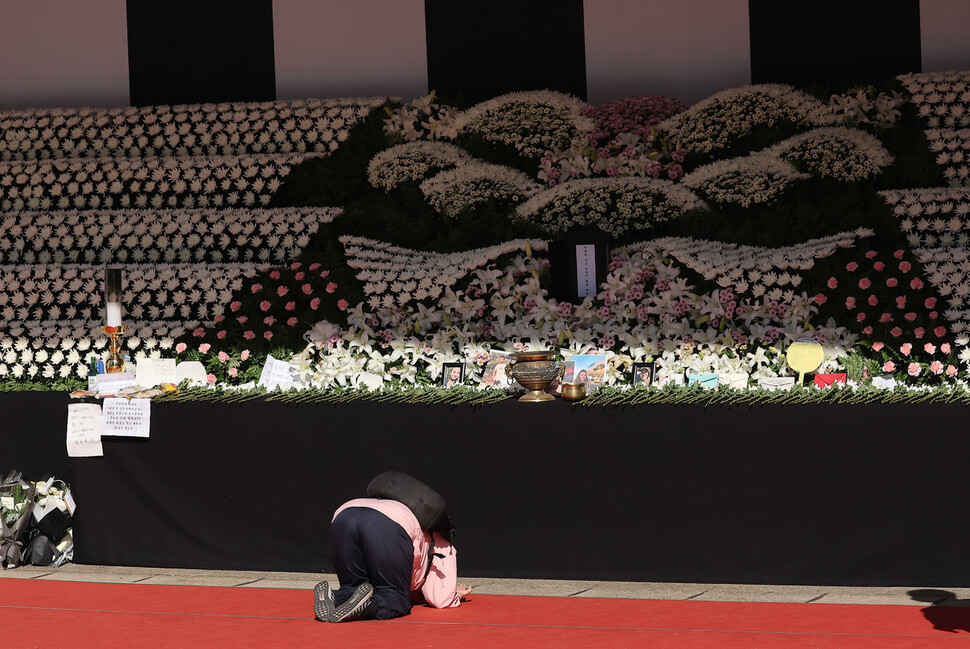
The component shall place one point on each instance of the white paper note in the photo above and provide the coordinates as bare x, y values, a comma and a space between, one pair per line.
111, 383
126, 417
277, 374
84, 430
586, 271
150, 372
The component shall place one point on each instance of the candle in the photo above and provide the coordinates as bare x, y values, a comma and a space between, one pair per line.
112, 297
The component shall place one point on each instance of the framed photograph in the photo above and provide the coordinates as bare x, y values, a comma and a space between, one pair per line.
589, 369
643, 374
452, 374
494, 376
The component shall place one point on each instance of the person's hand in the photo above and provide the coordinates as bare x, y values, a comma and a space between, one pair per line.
464, 591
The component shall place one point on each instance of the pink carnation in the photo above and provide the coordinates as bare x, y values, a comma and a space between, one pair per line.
860, 316
876, 346
871, 254
898, 254
299, 276
198, 333
244, 355
916, 284
291, 322
275, 274
315, 265
910, 316
218, 318
913, 369
895, 332
905, 266
324, 274
864, 283
232, 372
873, 300
264, 305
945, 348
295, 265
235, 306
851, 266
243, 319
204, 348
888, 366
879, 265
940, 332
223, 357
269, 321
256, 288
267, 335
951, 371
315, 303
307, 289
211, 378
342, 304
222, 333
906, 348
832, 283
331, 287
850, 302
181, 347
929, 348
282, 290
867, 331
885, 317
290, 306
929, 302
901, 302
918, 332
892, 282
248, 335
820, 299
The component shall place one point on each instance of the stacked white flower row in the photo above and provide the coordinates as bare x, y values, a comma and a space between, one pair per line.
150, 292
413, 161
52, 351
942, 98
936, 224
453, 191
615, 205
395, 276
843, 154
169, 236
750, 269
306, 126
553, 120
952, 149
724, 119
112, 183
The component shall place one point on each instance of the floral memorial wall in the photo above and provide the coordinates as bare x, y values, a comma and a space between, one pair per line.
370, 242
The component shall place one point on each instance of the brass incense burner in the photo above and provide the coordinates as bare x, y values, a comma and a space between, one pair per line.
535, 371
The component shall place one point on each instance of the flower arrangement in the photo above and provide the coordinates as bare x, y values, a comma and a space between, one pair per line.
108, 183
413, 161
630, 116
195, 130
942, 98
952, 149
529, 122
617, 206
721, 121
422, 118
758, 179
844, 154
457, 190
167, 235
866, 106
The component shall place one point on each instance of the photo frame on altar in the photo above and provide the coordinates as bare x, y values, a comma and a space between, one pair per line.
589, 369
643, 374
494, 375
452, 375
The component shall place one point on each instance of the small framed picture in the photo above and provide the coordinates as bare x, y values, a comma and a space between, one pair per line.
494, 376
643, 374
452, 374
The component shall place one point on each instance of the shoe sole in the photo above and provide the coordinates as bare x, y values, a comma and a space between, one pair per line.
353, 606
323, 606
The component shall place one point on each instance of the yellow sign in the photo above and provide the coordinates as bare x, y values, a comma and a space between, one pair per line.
805, 355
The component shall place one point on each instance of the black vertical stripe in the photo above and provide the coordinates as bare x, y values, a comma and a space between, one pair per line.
478, 50
833, 42
188, 51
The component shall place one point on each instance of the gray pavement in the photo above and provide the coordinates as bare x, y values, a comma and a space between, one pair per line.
490, 586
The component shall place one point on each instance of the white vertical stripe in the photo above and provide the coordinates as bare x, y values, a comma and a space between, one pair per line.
63, 53
350, 48
686, 49
944, 27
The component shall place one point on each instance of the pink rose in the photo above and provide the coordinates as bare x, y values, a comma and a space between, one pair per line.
895, 332
951, 371
269, 321
906, 348
315, 303
244, 355
264, 305
832, 283
940, 332
929, 302
913, 369
864, 283
929, 348
905, 266
888, 366
876, 346
223, 357
918, 332
916, 284
211, 378
342, 304
249, 335
204, 348
945, 348
871, 254
232, 372
873, 300
282, 290
292, 322
331, 287
267, 335
851, 266
221, 334
892, 282
898, 254
850, 302
879, 265
181, 347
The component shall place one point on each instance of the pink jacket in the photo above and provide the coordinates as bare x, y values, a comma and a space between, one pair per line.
440, 587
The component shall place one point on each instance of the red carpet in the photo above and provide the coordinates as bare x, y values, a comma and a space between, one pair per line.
79, 615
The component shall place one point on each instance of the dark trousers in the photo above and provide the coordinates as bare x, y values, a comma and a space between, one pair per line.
366, 545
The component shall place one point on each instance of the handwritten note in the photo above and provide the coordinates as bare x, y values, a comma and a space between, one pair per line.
126, 418
111, 383
277, 374
153, 371
84, 430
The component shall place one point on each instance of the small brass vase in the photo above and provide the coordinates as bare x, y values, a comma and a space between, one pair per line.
115, 362
535, 371
573, 391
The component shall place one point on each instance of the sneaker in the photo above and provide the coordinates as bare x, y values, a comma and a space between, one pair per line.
324, 608
355, 604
